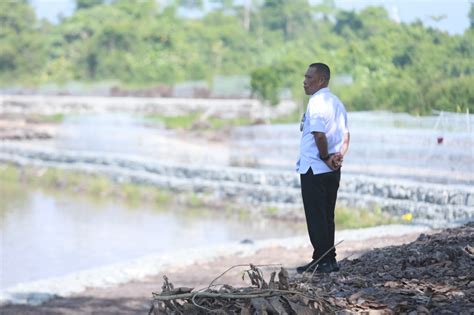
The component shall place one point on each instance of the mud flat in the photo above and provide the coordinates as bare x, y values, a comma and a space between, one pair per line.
35, 293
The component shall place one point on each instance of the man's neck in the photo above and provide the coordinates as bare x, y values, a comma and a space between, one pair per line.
321, 88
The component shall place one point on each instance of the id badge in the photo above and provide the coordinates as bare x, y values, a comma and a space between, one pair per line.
302, 121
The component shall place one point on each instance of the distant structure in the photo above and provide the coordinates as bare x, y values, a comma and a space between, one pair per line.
394, 14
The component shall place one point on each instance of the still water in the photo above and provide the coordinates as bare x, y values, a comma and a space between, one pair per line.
45, 235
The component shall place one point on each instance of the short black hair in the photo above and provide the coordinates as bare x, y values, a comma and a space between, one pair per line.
323, 69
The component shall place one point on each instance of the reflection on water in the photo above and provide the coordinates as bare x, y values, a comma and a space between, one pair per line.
45, 235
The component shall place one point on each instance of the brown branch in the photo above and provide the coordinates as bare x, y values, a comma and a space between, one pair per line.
235, 266
212, 295
261, 293
255, 292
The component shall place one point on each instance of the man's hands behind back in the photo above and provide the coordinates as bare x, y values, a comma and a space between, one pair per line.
335, 161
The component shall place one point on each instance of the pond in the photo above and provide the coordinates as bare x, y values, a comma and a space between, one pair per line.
45, 234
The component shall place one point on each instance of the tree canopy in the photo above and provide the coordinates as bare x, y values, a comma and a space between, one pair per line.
399, 67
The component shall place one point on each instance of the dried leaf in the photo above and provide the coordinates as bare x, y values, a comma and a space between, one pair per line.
283, 283
261, 306
422, 310
434, 273
245, 310
355, 296
271, 283
443, 289
469, 249
391, 284
360, 301
277, 305
301, 309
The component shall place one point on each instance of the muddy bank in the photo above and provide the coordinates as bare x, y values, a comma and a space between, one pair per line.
20, 130
194, 270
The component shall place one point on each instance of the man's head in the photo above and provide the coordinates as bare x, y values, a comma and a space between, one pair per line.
316, 77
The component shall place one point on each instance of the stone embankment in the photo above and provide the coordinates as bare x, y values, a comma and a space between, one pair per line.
434, 204
223, 108
19, 130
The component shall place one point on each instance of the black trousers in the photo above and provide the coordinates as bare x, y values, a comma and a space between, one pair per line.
319, 199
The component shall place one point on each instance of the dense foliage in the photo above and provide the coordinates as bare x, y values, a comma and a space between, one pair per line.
377, 63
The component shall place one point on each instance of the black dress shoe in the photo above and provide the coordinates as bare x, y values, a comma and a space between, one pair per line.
309, 266
325, 267
321, 267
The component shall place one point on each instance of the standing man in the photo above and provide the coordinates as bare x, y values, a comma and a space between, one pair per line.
324, 142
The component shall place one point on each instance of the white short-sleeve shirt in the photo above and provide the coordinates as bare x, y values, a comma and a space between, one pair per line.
325, 113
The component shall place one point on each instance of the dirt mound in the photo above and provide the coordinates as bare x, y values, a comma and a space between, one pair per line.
430, 275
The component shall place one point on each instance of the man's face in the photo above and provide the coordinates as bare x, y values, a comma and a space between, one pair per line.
313, 81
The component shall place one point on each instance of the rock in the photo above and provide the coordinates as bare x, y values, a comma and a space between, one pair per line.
456, 199
470, 200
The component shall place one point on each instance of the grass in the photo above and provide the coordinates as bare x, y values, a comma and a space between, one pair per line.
183, 121
12, 194
174, 122
217, 123
96, 188
99, 188
36, 118
292, 118
353, 218
272, 210
195, 201
360, 218
9, 174
191, 120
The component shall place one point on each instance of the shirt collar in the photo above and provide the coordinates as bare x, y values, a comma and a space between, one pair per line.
323, 90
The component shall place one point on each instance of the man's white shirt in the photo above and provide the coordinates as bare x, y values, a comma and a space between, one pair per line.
324, 113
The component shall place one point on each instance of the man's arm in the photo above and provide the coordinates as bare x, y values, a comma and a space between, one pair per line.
339, 156
322, 145
345, 145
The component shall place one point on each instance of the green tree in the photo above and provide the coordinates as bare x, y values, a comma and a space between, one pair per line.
287, 16
266, 84
22, 44
385, 65
455, 94
348, 23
